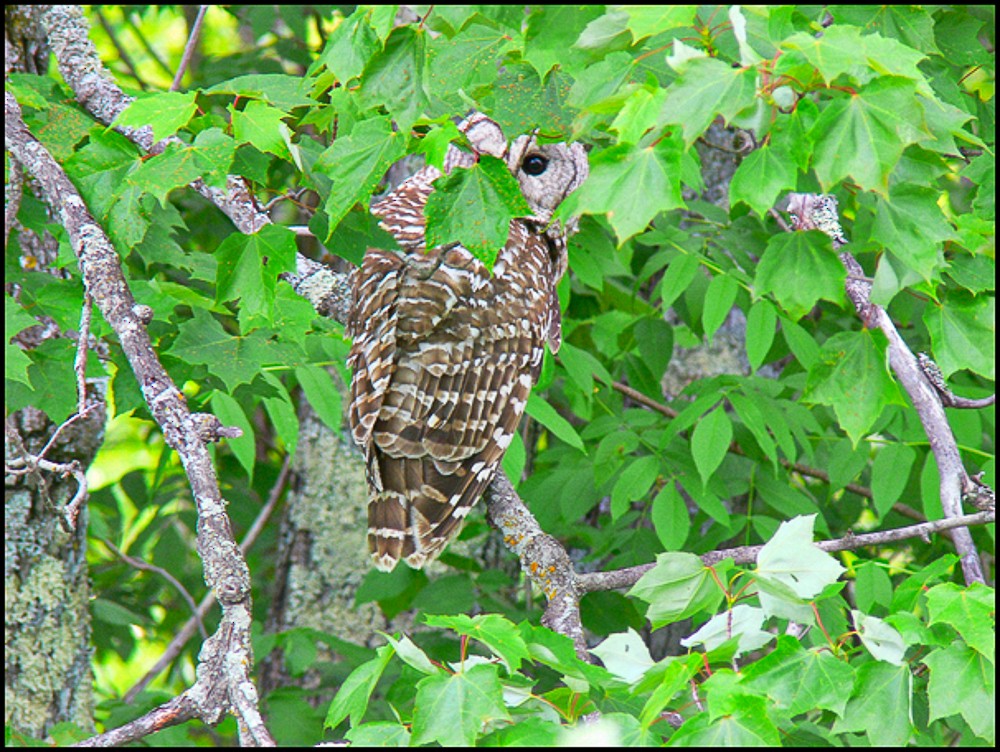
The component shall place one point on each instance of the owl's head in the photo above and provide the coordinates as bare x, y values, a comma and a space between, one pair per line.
547, 173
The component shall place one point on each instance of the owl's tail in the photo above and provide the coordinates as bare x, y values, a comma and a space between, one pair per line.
421, 506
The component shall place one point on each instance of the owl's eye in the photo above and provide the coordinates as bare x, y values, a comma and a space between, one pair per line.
535, 164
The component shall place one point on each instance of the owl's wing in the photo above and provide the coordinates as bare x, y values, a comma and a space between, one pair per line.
406, 296
465, 351
451, 353
378, 285
373, 325
462, 342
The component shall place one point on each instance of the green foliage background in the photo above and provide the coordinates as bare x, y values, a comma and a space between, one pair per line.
889, 108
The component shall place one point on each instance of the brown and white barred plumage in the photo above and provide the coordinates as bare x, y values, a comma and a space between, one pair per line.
445, 354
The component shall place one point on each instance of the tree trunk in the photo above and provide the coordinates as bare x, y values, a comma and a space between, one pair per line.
47, 674
322, 548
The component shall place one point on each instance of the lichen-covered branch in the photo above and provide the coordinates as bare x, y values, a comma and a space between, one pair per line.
813, 211
543, 559
83, 71
226, 664
623, 578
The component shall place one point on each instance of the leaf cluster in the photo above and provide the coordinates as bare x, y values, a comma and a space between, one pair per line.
853, 677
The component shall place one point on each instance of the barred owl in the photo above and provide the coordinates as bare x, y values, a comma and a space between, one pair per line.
445, 353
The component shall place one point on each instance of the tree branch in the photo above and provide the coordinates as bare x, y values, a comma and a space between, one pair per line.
808, 208
189, 48
224, 683
543, 559
622, 578
187, 631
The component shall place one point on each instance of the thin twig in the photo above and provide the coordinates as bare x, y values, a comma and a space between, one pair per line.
172, 650
186, 632
178, 585
82, 347
23, 462
948, 397
66, 424
29, 464
779, 219
72, 510
621, 578
122, 52
189, 48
